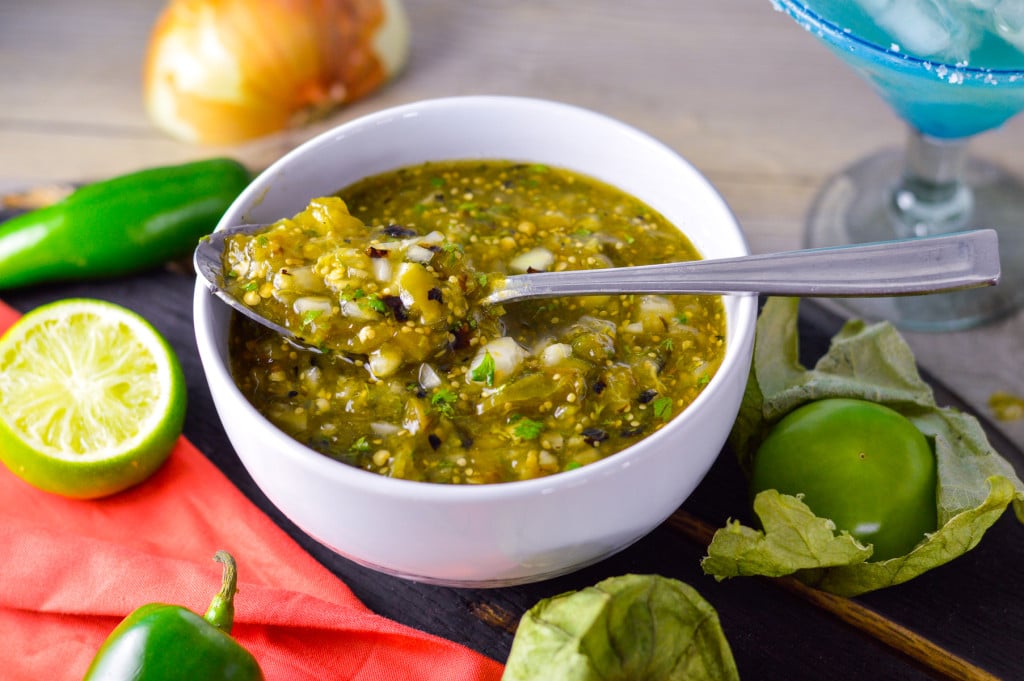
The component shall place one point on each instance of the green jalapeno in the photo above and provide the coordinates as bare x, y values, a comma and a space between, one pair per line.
119, 226
160, 642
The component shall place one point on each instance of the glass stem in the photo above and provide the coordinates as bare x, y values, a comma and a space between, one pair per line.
932, 197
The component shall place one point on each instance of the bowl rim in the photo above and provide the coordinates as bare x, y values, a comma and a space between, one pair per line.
740, 327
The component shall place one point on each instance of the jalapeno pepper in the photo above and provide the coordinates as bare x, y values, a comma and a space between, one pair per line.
119, 226
160, 642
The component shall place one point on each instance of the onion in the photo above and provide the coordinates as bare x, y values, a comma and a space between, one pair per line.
381, 269
417, 253
223, 71
382, 428
428, 377
506, 354
539, 260
555, 353
306, 304
296, 279
384, 362
353, 310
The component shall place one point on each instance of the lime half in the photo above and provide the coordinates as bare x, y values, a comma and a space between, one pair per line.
92, 398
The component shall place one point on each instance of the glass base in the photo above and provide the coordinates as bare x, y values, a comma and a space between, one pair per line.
859, 205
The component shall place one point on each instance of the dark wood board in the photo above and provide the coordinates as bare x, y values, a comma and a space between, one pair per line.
971, 607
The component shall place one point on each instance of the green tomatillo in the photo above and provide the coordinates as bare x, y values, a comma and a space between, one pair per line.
160, 642
860, 464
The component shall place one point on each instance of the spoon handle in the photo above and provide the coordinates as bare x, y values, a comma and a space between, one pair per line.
889, 268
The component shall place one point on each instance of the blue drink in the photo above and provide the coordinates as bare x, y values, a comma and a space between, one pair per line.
972, 82
951, 70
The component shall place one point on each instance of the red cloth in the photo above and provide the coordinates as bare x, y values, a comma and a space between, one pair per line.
70, 570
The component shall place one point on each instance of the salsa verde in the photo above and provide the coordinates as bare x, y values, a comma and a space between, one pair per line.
418, 380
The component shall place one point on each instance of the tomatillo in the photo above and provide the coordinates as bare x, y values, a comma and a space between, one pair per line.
862, 465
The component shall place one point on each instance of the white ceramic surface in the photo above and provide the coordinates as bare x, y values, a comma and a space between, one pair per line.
499, 534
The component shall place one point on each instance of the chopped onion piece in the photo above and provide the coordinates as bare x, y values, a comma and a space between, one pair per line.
384, 362
296, 279
658, 305
428, 377
555, 353
654, 312
382, 428
507, 355
352, 309
417, 253
539, 259
307, 304
381, 269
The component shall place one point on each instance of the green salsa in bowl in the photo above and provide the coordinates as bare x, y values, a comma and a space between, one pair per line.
442, 388
449, 442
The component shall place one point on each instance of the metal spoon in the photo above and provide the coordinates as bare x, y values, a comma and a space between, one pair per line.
887, 268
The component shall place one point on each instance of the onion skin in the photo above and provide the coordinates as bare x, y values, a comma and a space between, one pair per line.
226, 71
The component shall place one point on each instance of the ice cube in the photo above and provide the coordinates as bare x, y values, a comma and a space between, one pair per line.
1008, 18
926, 28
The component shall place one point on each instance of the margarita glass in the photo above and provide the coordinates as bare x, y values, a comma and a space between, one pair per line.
948, 81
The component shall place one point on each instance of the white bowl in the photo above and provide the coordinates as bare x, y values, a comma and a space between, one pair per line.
508, 533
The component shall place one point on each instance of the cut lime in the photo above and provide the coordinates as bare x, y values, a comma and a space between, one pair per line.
92, 398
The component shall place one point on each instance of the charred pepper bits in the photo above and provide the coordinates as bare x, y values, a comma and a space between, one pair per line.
118, 226
160, 642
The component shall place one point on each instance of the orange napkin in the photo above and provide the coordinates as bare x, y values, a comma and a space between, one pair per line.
71, 570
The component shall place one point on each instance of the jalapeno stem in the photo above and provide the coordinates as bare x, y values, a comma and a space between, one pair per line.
221, 612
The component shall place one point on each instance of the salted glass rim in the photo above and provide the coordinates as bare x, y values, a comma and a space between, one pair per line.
799, 11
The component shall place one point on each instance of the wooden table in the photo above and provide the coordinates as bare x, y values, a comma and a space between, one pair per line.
744, 94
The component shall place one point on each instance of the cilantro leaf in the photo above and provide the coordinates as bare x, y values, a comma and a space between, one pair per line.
453, 250
528, 429
662, 407
310, 316
376, 304
484, 371
443, 401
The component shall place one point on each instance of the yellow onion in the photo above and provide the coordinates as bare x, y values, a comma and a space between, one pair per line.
224, 71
